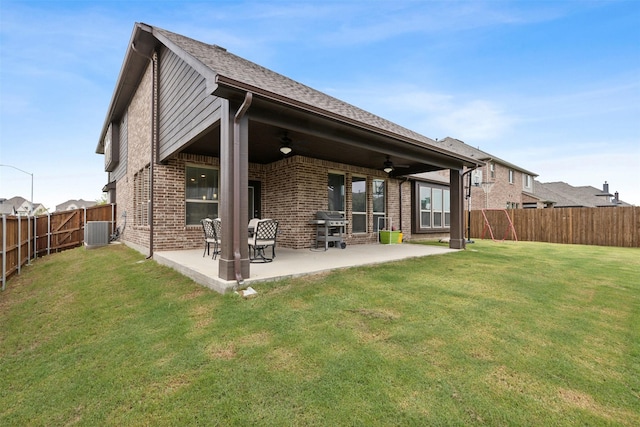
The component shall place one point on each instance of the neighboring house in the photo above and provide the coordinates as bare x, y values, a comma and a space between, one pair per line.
20, 206
495, 184
71, 205
500, 185
563, 195
193, 131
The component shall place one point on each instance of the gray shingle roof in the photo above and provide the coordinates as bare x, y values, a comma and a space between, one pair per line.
235, 68
565, 195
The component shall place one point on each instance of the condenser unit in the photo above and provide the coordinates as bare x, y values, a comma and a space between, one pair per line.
96, 233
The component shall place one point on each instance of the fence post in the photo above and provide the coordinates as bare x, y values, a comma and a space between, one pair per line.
35, 237
19, 244
28, 239
48, 233
4, 250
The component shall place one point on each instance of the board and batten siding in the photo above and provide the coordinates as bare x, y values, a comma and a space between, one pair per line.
121, 169
186, 110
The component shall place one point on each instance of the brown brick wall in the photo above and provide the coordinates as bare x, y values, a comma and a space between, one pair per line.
138, 156
499, 192
170, 229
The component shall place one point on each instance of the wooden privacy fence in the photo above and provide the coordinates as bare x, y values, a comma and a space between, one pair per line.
619, 226
25, 238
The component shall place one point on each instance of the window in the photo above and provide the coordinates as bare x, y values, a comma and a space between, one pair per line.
425, 207
201, 194
526, 182
447, 208
378, 204
437, 207
434, 210
141, 196
492, 170
359, 204
335, 189
510, 176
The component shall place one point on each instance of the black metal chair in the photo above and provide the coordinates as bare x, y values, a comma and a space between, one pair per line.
210, 237
263, 236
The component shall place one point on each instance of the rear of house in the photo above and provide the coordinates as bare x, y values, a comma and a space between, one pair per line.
194, 131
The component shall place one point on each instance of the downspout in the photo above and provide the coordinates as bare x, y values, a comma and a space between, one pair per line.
236, 188
154, 140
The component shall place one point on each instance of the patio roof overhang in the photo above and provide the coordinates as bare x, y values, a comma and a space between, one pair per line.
322, 135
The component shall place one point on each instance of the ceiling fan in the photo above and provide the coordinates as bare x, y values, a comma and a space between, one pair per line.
389, 166
285, 144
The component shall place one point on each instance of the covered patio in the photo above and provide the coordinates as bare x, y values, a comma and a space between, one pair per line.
292, 262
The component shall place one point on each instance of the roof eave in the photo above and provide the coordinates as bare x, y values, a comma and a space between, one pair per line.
229, 88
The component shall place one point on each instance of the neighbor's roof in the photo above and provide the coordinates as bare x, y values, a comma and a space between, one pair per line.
460, 147
564, 195
224, 69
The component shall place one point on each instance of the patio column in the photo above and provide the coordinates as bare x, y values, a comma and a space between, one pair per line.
456, 186
227, 213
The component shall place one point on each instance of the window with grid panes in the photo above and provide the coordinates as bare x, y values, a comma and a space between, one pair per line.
359, 204
201, 194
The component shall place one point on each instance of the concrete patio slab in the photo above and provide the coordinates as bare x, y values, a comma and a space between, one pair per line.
292, 262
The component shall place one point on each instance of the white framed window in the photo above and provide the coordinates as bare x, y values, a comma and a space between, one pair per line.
436, 195
359, 204
434, 208
379, 204
527, 181
492, 170
511, 176
447, 208
425, 207
335, 192
201, 193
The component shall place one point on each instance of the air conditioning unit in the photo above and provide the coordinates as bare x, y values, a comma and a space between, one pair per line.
96, 233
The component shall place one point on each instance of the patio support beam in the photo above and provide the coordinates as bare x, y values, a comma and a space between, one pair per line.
233, 212
456, 187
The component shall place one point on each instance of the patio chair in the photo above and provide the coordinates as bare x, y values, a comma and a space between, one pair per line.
252, 225
210, 237
264, 236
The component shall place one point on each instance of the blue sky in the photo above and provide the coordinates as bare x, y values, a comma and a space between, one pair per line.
551, 86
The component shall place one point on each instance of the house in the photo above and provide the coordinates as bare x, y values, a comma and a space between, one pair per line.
194, 131
71, 205
493, 184
562, 195
20, 206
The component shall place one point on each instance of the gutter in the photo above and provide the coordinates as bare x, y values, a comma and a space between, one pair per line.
236, 188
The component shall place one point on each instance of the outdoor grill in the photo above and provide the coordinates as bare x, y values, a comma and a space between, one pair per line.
330, 229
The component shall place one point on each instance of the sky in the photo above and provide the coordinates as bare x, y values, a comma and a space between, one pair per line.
550, 86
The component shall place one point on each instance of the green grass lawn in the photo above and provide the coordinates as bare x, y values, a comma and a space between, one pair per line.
500, 334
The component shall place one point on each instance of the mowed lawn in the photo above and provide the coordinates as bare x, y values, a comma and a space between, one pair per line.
500, 334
